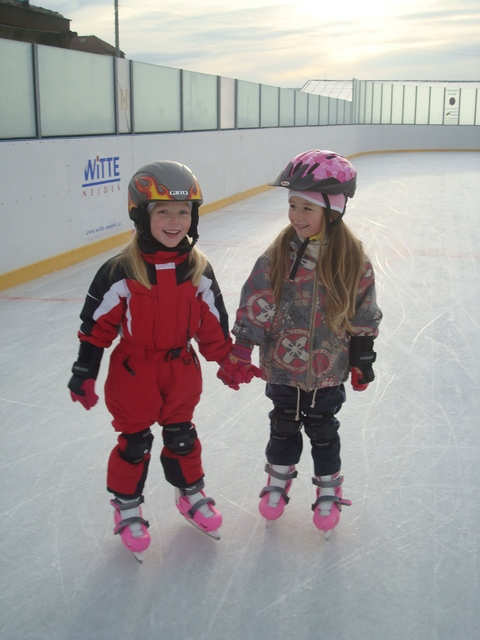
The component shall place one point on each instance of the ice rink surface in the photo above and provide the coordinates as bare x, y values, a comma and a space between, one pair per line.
404, 562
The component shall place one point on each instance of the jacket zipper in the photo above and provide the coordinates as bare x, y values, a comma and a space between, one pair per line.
312, 328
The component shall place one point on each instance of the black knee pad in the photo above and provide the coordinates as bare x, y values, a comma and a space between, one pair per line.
321, 428
137, 445
179, 437
283, 423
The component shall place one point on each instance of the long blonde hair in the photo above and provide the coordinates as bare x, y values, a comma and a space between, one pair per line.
339, 269
133, 263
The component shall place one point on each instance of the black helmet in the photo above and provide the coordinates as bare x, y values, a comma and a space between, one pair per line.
166, 180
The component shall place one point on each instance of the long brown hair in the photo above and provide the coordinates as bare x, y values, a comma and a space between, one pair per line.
339, 269
133, 263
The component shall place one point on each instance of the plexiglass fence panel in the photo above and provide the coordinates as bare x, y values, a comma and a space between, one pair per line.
422, 105
323, 114
156, 98
269, 110
199, 101
467, 106
436, 105
76, 92
416, 103
386, 115
313, 109
72, 93
248, 104
301, 108
369, 102
227, 103
377, 103
287, 107
17, 104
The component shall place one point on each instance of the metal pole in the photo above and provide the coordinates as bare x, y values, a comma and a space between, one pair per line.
117, 39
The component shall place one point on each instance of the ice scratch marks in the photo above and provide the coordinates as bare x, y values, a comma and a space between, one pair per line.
24, 404
56, 528
41, 454
225, 498
335, 567
240, 563
429, 324
472, 320
235, 417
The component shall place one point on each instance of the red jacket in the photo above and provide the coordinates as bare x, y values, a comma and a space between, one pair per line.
164, 317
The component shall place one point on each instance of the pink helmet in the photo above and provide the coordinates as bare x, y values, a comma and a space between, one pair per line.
323, 171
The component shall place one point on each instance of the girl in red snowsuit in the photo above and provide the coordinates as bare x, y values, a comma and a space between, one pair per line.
158, 294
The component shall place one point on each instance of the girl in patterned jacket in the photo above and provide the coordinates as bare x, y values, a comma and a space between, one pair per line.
309, 303
158, 294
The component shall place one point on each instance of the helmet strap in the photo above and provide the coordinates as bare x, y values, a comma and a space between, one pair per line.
331, 221
193, 231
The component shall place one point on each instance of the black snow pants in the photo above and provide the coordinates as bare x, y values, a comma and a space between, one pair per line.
292, 410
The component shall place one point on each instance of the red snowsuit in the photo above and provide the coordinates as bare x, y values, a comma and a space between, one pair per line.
154, 373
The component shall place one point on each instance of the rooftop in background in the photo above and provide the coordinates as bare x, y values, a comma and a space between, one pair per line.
26, 4
342, 89
21, 21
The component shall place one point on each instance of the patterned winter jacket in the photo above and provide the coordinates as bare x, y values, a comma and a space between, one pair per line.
165, 317
297, 348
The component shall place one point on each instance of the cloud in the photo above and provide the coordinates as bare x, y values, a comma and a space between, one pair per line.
435, 63
285, 43
446, 14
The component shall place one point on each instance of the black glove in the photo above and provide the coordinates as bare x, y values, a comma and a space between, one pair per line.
362, 356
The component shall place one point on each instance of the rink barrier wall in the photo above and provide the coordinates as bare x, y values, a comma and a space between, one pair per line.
41, 181
69, 258
383, 151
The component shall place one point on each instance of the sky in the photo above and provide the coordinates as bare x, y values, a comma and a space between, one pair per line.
287, 43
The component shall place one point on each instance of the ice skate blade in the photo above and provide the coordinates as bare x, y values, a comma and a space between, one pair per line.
214, 535
138, 555
270, 524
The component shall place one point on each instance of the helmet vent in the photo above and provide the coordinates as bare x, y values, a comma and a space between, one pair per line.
312, 168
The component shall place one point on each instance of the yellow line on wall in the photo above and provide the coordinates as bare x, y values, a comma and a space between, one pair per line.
242, 195
60, 261
69, 258
368, 153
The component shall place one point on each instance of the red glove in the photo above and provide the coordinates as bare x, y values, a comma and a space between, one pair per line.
357, 380
237, 367
83, 390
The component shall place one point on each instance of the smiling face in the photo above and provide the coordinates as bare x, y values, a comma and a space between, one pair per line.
170, 221
305, 217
